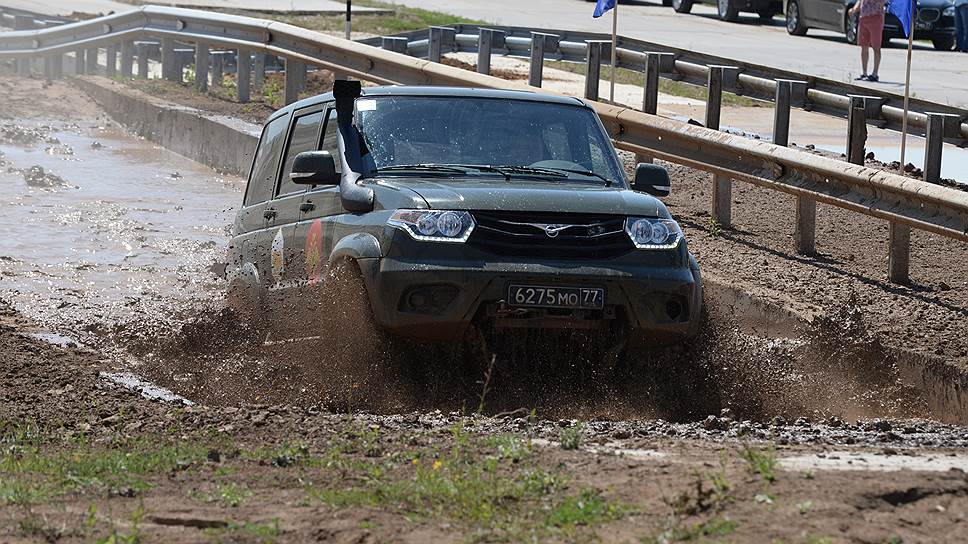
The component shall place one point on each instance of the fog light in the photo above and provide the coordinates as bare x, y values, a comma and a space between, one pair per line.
673, 309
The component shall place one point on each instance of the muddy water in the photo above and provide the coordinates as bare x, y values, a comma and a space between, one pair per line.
102, 229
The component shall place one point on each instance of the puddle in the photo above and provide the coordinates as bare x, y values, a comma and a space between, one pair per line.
881, 462
58, 340
609, 448
119, 231
148, 390
954, 160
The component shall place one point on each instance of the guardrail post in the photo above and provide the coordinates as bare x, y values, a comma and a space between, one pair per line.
440, 36
142, 49
91, 58
295, 76
395, 44
655, 64
487, 40
202, 58
169, 63
540, 42
939, 126
259, 68
54, 66
23, 22
218, 68
127, 58
243, 74
79, 62
899, 253
112, 62
718, 78
793, 93
856, 130
595, 51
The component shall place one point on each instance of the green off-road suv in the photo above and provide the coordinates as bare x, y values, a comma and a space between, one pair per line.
461, 208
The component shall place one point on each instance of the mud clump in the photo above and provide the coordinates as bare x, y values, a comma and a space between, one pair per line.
36, 176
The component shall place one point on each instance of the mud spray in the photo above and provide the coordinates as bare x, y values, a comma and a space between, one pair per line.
342, 362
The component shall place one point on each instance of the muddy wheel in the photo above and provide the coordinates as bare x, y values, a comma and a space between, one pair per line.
355, 368
249, 315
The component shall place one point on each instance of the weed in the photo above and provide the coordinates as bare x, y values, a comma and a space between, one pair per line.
818, 540
264, 533
762, 462
485, 387
571, 437
698, 498
228, 495
713, 527
33, 473
132, 536
488, 483
583, 509
715, 228
34, 525
804, 507
271, 91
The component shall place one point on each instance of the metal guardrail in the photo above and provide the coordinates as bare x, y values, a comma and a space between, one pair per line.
812, 93
904, 202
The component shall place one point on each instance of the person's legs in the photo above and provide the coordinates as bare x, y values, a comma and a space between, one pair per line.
876, 32
863, 40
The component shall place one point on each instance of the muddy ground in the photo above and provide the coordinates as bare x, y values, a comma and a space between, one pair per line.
766, 430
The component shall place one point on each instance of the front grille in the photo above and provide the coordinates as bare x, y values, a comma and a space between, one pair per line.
573, 236
929, 15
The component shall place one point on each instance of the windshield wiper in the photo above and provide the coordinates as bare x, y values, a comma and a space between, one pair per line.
589, 173
508, 169
442, 168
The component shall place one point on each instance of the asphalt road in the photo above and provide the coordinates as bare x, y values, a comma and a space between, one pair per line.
937, 76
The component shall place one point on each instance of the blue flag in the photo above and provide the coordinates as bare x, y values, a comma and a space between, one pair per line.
603, 6
904, 11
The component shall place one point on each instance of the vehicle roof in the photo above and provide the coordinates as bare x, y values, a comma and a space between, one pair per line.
402, 90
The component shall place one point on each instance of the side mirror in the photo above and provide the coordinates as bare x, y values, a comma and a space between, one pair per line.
651, 179
314, 168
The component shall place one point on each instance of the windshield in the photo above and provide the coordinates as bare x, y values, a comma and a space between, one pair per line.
455, 136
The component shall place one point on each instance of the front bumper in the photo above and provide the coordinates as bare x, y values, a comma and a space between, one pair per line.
437, 297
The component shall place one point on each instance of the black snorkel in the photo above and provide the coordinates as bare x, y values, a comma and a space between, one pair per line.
355, 198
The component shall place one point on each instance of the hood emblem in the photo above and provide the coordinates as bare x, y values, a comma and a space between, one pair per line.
552, 230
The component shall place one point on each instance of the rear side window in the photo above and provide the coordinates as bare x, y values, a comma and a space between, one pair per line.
263, 176
330, 142
305, 137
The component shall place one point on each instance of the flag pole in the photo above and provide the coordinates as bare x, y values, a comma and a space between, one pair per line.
611, 95
907, 86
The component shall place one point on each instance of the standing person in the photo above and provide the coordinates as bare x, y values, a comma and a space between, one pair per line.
870, 31
961, 25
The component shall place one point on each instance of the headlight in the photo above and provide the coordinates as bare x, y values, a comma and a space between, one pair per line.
949, 11
434, 225
650, 233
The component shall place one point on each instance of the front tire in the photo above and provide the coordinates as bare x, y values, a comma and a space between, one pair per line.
727, 11
794, 22
682, 6
943, 43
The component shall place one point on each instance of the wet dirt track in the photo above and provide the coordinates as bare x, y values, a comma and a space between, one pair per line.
112, 244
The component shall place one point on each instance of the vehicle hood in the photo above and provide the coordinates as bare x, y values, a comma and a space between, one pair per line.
534, 196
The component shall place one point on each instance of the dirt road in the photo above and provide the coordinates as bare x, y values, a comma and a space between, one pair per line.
766, 430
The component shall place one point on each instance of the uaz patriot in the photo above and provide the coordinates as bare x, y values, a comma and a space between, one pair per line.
461, 208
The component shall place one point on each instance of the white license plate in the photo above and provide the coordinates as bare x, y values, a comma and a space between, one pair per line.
590, 298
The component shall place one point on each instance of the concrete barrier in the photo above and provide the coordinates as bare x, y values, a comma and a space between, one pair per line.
223, 143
